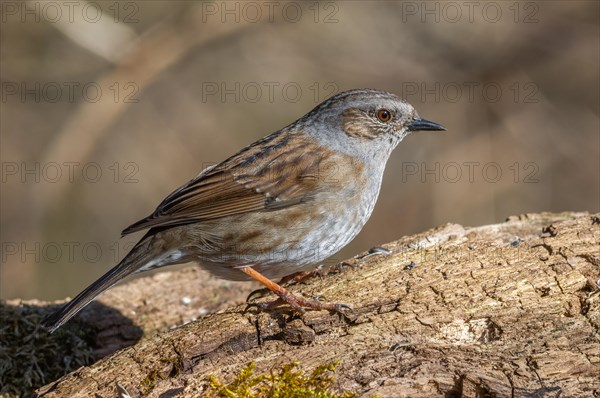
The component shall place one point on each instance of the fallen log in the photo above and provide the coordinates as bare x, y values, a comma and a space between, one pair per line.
507, 310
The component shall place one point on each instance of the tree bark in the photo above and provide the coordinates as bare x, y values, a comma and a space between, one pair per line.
506, 310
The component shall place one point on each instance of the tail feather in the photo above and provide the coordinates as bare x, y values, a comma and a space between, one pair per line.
135, 261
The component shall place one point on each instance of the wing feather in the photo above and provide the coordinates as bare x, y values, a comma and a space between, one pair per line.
261, 177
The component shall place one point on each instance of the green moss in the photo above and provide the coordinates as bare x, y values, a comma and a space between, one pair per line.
30, 357
148, 384
287, 382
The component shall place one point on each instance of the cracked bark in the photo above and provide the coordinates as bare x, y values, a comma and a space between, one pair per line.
451, 312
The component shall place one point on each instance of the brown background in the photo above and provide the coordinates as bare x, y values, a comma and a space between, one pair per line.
516, 84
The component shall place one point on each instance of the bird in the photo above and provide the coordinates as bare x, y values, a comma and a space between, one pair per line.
279, 206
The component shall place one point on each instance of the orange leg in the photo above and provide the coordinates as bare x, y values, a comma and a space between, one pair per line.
302, 276
292, 279
296, 302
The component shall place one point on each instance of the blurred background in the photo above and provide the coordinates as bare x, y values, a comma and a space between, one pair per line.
109, 106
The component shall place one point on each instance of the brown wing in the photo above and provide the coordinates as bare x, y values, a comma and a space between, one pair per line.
278, 171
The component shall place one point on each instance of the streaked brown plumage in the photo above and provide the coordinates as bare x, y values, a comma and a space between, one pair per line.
280, 205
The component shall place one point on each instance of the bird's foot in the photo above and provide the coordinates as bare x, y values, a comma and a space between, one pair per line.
289, 280
298, 303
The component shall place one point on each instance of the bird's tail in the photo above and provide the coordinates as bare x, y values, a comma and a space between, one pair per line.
140, 258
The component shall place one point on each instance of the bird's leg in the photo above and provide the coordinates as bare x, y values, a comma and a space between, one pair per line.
288, 280
294, 278
298, 303
299, 277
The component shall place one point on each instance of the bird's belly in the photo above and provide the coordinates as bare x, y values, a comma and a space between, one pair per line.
283, 242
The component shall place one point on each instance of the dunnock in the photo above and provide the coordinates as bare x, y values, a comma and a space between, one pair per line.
277, 207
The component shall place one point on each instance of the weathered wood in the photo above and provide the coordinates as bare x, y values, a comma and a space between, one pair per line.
508, 310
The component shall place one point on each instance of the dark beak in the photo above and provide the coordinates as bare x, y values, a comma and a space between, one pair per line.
420, 124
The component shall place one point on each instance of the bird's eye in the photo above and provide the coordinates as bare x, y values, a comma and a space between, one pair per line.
384, 115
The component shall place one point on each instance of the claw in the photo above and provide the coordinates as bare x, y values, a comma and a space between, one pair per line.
343, 308
259, 292
374, 251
